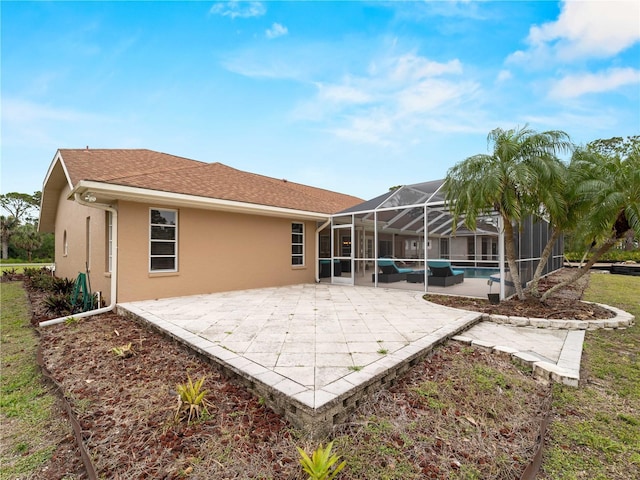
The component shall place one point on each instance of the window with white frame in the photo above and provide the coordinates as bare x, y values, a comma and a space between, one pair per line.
163, 240
297, 244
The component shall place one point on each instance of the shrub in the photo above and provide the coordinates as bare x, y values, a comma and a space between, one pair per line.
321, 464
62, 286
610, 256
191, 400
58, 305
11, 274
39, 278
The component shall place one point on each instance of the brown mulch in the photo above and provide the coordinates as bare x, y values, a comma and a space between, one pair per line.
565, 305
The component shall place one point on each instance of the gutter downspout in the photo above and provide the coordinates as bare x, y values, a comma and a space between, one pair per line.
114, 266
318, 230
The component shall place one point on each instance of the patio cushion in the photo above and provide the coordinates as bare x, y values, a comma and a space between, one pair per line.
389, 266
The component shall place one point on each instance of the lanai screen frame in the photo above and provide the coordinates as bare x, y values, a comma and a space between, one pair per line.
425, 199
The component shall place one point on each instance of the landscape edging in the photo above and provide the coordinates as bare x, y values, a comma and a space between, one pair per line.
622, 319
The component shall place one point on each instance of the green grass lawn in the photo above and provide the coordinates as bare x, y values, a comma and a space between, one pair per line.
595, 432
23, 398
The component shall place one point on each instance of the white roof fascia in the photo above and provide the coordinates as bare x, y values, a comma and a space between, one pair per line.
137, 194
57, 158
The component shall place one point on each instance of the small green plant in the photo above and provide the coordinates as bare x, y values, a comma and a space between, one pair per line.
356, 368
11, 274
57, 304
192, 403
321, 464
123, 351
62, 286
72, 320
383, 351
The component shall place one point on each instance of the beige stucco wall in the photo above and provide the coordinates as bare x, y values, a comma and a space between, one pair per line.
72, 218
217, 251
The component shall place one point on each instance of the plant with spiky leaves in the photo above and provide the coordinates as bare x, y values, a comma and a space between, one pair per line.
320, 466
123, 351
192, 403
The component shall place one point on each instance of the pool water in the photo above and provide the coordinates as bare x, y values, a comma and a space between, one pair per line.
478, 272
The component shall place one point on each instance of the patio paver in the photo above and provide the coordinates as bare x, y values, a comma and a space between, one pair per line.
313, 351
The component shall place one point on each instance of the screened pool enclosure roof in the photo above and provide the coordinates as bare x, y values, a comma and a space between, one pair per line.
402, 211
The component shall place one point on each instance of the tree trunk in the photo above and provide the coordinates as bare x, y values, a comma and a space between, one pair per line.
5, 249
510, 251
604, 248
544, 259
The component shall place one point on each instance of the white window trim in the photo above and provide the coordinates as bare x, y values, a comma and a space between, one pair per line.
175, 269
298, 255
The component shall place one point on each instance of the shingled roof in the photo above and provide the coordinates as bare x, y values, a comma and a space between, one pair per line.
158, 171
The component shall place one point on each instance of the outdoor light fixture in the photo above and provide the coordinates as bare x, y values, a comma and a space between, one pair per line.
89, 197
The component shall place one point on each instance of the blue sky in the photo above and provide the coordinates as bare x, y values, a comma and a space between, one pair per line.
349, 96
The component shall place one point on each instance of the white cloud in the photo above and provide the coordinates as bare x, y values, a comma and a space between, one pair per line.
17, 111
577, 85
411, 67
276, 31
342, 94
504, 75
397, 96
235, 9
584, 29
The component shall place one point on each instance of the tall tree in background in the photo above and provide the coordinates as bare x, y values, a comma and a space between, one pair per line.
8, 227
522, 169
22, 210
28, 238
22, 206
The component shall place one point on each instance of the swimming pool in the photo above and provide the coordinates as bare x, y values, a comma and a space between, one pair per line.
478, 272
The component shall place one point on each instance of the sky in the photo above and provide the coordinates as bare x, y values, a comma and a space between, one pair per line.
354, 97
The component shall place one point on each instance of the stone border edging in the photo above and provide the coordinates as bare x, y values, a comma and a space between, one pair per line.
621, 320
73, 419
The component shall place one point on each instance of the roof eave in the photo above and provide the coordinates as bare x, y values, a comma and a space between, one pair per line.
107, 193
55, 181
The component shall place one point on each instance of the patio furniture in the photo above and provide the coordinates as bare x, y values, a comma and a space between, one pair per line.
442, 275
416, 276
390, 272
325, 268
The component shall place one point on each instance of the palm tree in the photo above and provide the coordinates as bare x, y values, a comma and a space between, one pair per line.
563, 208
521, 170
612, 186
8, 227
28, 238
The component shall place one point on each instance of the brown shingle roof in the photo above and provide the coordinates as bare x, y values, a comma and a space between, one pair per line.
168, 173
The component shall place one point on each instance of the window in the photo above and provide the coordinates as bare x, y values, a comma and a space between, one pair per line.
384, 248
297, 244
444, 248
345, 246
471, 248
65, 244
109, 241
163, 241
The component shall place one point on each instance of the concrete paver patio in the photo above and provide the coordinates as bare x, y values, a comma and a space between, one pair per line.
313, 351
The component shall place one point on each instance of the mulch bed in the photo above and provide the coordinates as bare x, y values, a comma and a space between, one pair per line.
565, 305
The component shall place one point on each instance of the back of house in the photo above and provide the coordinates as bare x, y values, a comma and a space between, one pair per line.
169, 226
